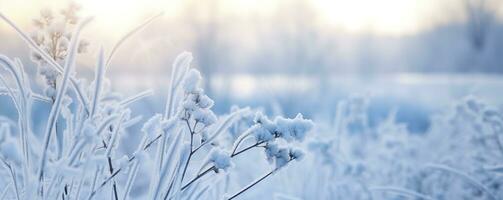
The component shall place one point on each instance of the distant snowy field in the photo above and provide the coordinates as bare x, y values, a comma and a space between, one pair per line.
415, 96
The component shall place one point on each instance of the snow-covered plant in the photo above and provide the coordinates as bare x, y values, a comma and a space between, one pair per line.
457, 158
181, 153
53, 35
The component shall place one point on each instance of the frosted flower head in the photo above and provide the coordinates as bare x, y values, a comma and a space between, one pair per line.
49, 73
492, 115
56, 29
473, 104
205, 102
70, 13
197, 106
271, 149
191, 81
265, 122
267, 128
204, 116
220, 159
282, 157
293, 128
200, 100
296, 154
46, 14
263, 135
260, 118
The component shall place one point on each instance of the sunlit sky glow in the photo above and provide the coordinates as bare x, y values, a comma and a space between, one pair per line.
394, 17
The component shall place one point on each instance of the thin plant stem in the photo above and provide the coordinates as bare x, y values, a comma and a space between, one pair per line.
252, 184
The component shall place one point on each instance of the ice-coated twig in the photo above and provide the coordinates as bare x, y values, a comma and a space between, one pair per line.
212, 168
243, 137
200, 175
253, 184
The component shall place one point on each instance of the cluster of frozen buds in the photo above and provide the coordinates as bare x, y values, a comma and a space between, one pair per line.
196, 105
288, 130
282, 155
220, 159
53, 35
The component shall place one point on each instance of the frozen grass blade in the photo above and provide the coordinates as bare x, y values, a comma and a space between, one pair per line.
166, 172
179, 69
130, 179
55, 110
126, 102
177, 177
132, 121
98, 80
11, 94
128, 35
23, 112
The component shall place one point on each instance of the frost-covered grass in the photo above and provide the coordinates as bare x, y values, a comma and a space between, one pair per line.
91, 142
184, 151
457, 158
